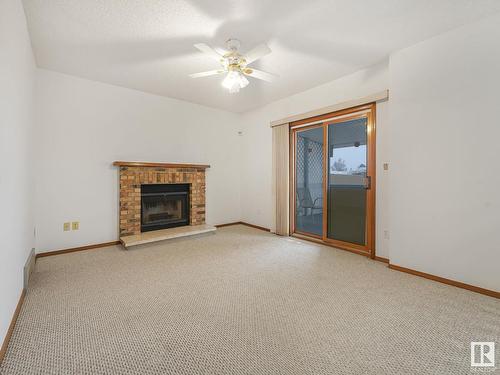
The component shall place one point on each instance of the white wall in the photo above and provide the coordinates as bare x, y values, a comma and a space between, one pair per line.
17, 71
83, 126
256, 186
444, 152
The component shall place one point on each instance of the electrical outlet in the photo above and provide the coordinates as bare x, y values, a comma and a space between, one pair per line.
386, 234
66, 226
386, 166
75, 225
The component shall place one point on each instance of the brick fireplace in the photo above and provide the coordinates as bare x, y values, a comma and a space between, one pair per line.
141, 176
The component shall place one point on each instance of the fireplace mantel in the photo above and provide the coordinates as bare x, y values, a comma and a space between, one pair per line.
145, 164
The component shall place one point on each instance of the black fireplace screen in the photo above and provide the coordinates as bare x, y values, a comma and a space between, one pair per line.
164, 206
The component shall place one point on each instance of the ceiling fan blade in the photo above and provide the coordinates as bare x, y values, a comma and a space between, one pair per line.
259, 74
209, 51
207, 73
260, 51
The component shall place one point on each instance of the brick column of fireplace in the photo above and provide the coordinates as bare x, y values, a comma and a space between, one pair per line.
134, 174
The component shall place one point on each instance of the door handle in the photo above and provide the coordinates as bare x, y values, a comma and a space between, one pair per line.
368, 182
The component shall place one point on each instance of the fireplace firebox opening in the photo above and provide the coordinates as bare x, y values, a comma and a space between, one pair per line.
164, 206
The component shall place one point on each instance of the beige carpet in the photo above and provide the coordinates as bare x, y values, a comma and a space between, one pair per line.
242, 301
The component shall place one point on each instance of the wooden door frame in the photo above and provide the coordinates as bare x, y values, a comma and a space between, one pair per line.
367, 111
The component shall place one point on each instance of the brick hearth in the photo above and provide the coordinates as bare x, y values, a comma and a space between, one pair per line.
133, 174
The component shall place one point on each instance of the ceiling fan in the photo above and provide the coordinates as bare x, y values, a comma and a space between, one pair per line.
235, 64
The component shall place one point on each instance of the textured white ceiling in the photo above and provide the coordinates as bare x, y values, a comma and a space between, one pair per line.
148, 44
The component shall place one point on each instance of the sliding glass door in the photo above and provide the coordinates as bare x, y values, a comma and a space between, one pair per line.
333, 175
309, 155
348, 181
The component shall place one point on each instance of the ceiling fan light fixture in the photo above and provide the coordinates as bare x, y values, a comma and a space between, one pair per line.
235, 64
235, 81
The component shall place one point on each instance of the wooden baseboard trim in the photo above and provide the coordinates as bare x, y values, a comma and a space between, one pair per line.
227, 224
443, 280
381, 259
255, 226
73, 249
243, 223
6, 340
